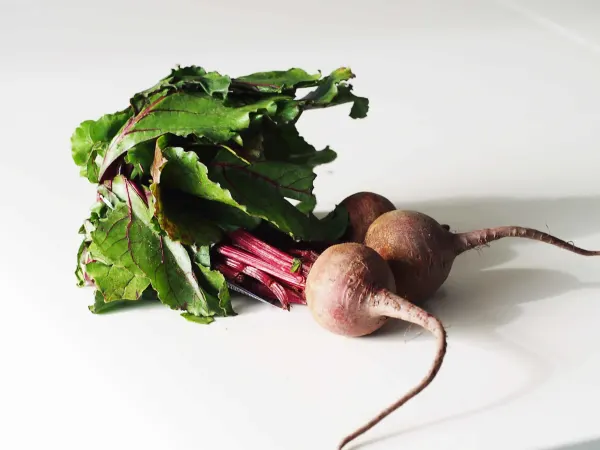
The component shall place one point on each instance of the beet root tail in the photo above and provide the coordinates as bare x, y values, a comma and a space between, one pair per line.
473, 239
391, 305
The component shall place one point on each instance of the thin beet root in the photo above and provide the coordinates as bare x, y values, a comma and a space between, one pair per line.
363, 208
421, 252
350, 291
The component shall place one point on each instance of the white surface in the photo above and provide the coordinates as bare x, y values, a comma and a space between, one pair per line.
482, 113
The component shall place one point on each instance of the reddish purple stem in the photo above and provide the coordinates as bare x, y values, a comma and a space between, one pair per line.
246, 241
252, 261
269, 282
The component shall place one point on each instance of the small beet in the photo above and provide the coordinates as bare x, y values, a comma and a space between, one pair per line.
363, 208
350, 291
421, 252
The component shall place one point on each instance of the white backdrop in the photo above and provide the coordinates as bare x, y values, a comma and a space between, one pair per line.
482, 113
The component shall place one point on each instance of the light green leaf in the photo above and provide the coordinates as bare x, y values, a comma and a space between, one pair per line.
197, 319
115, 282
90, 141
101, 307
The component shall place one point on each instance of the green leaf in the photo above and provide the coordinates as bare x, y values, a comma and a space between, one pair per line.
181, 170
262, 187
202, 256
182, 218
335, 91
128, 238
279, 80
81, 255
190, 207
214, 283
90, 141
115, 282
189, 78
101, 307
284, 143
197, 319
296, 265
183, 114
141, 157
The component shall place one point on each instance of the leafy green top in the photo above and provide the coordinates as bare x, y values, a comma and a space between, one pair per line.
195, 156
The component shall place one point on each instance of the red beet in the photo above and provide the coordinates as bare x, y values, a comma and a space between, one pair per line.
421, 252
350, 291
363, 208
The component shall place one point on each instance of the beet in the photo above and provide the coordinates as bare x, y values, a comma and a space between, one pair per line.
420, 251
363, 208
350, 291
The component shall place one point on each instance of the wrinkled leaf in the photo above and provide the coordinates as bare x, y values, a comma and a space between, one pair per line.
182, 218
335, 91
128, 238
81, 256
284, 143
101, 307
115, 282
189, 78
261, 188
213, 282
190, 207
279, 80
183, 114
91, 139
141, 157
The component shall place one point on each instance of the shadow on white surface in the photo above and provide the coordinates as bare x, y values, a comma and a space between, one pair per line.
586, 445
489, 299
479, 298
537, 371
569, 218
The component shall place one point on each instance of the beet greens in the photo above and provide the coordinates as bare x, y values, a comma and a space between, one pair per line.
191, 160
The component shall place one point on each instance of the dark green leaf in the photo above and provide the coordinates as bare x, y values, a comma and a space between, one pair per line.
183, 114
261, 188
190, 207
182, 218
189, 78
141, 157
335, 91
284, 143
177, 169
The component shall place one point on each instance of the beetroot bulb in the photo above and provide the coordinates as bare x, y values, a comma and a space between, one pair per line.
363, 208
421, 252
350, 291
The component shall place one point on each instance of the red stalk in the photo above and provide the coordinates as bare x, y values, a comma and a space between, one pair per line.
251, 260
